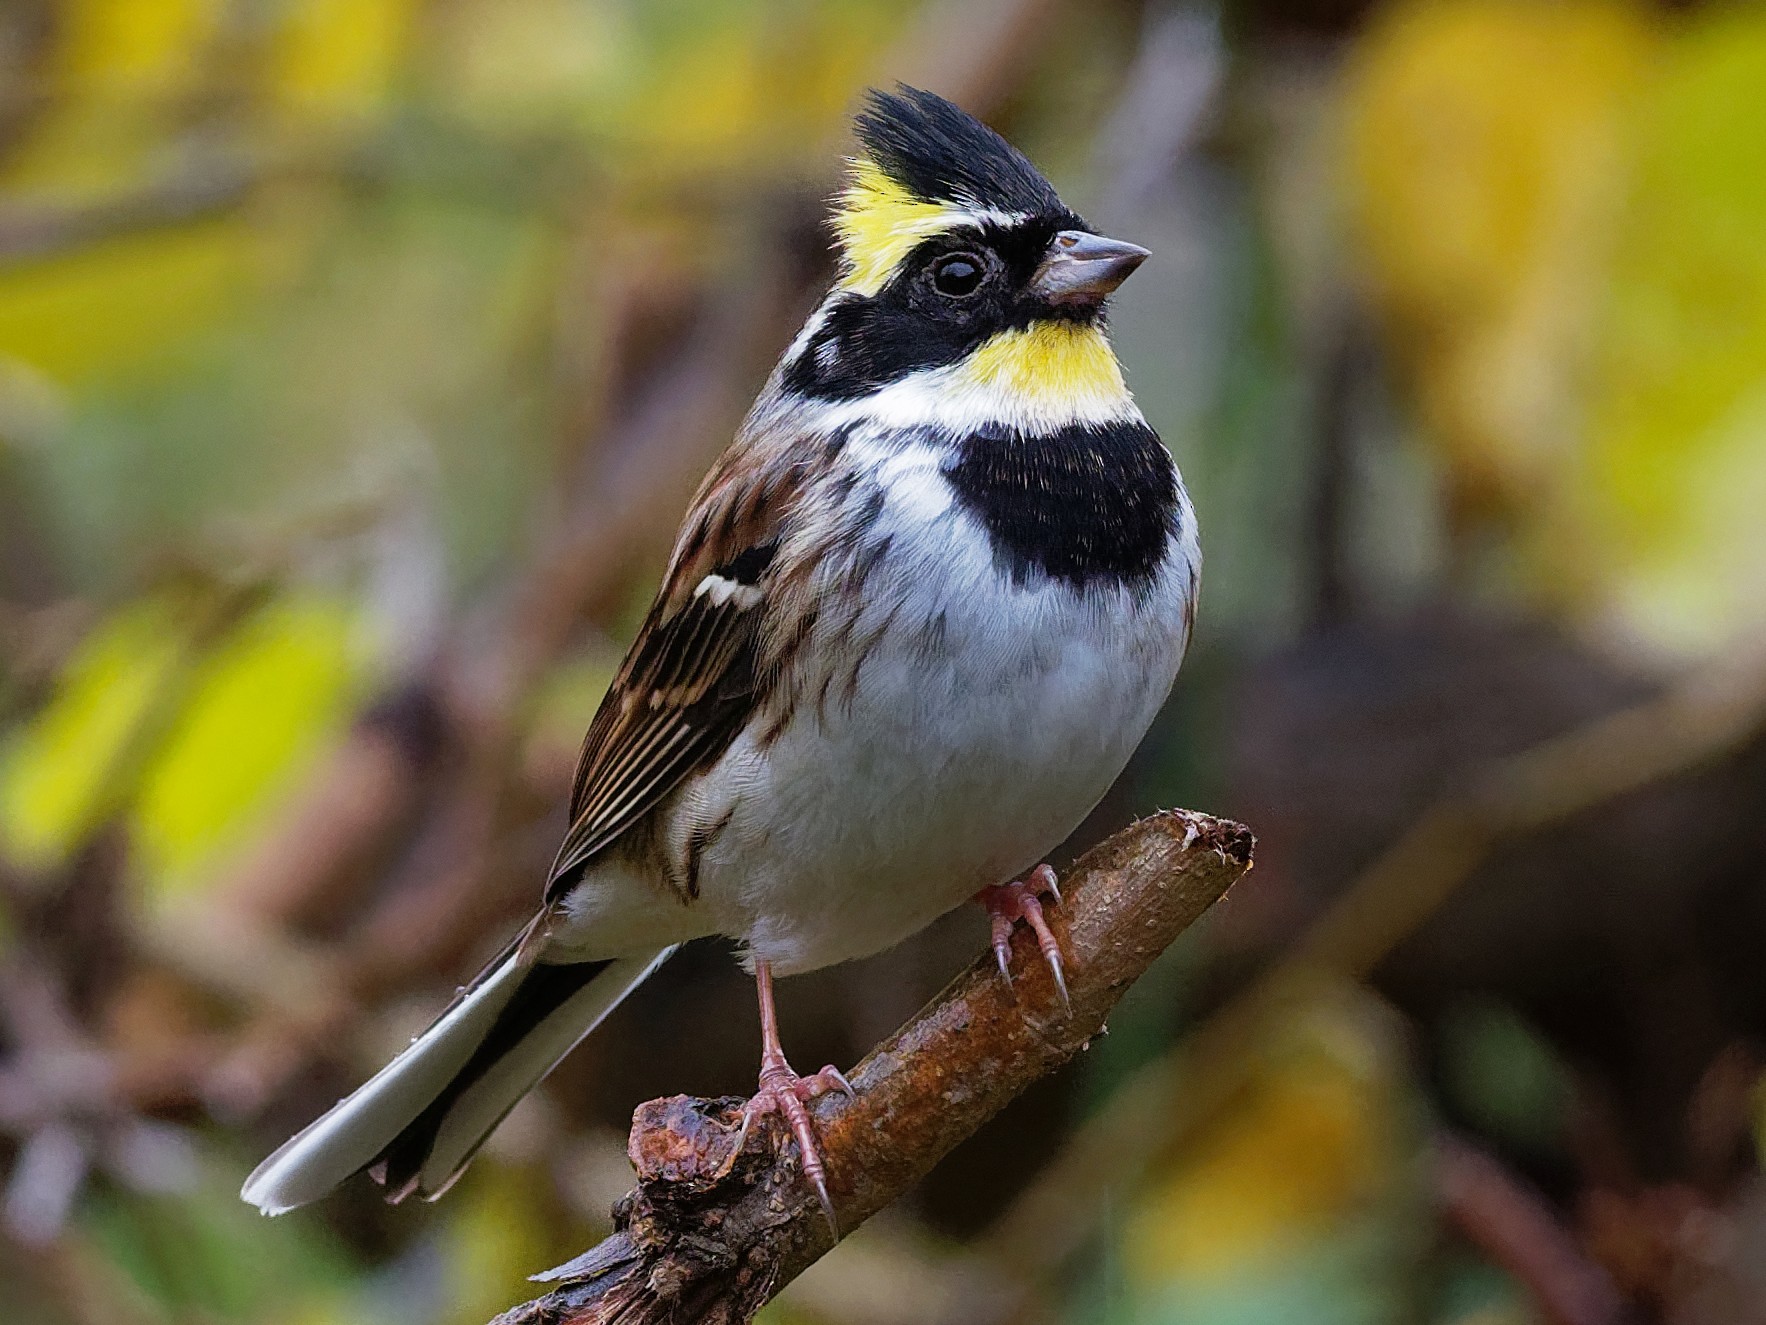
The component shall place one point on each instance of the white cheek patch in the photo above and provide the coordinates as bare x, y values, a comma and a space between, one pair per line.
721, 590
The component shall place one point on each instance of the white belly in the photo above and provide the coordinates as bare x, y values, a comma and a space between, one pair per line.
960, 760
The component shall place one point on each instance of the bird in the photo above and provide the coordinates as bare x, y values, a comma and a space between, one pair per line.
915, 622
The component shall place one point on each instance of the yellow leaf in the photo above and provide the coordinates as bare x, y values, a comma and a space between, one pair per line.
536, 65
53, 770
129, 303
115, 74
500, 1231
1310, 1141
333, 62
121, 47
244, 722
1486, 156
710, 99
268, 701
1664, 506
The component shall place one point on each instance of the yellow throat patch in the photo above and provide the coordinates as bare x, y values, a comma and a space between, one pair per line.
1055, 368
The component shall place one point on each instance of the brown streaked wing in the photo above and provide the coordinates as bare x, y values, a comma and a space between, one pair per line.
689, 681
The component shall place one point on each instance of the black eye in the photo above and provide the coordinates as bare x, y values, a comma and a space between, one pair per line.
957, 274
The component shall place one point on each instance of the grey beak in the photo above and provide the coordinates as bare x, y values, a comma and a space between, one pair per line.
1083, 268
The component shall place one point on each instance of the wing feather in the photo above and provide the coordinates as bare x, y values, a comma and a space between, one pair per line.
690, 680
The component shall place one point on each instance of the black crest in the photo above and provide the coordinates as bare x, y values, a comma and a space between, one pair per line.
940, 153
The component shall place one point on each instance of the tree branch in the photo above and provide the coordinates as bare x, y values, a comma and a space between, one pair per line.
714, 1230
34, 234
1518, 1230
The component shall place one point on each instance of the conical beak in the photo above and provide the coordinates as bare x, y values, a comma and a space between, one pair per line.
1083, 268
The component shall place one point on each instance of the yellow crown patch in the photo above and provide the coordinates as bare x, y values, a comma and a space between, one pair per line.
878, 223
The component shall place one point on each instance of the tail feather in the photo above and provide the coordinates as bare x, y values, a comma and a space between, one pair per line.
418, 1121
542, 992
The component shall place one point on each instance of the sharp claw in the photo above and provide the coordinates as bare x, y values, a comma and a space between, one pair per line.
1020, 901
1051, 954
827, 1207
1054, 960
810, 1160
742, 1132
1002, 943
782, 1089
840, 1082
787, 1093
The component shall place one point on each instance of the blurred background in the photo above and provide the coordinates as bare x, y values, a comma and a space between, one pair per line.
357, 358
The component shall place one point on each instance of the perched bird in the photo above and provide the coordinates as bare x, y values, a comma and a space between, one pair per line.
917, 618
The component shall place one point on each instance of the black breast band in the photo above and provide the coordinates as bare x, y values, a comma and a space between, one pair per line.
1088, 503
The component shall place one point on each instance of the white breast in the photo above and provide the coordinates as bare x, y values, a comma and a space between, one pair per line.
986, 720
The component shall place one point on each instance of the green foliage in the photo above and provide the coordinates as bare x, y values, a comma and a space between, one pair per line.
1506, 1077
197, 735
203, 1255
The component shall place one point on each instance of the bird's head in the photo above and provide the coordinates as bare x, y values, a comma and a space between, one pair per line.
959, 260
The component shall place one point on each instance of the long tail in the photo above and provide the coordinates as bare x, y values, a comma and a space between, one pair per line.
418, 1121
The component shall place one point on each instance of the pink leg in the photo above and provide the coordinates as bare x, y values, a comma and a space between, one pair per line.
1011, 902
782, 1090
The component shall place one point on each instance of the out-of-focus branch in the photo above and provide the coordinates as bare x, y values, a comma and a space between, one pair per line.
1706, 714
713, 1231
33, 234
1000, 39
1513, 1225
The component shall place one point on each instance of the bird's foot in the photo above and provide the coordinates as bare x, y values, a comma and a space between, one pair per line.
783, 1091
1009, 903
